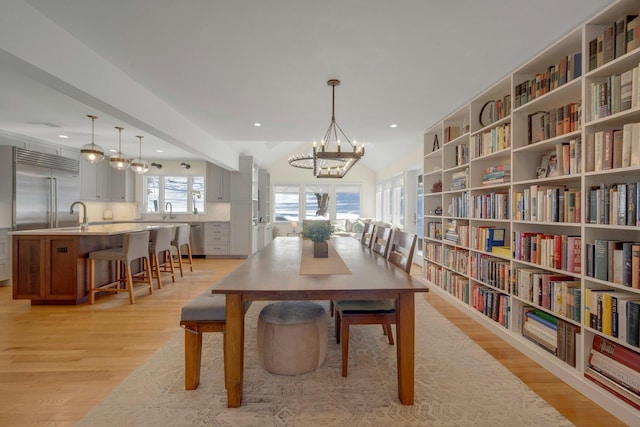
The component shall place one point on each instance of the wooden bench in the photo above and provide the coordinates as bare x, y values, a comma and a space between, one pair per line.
204, 313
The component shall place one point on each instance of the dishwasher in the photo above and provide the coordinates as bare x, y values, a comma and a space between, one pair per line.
196, 239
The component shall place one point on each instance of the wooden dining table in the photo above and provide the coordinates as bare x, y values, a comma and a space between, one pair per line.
274, 274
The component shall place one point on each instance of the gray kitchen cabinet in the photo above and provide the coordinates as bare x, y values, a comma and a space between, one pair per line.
5, 265
122, 186
216, 238
218, 183
241, 230
96, 181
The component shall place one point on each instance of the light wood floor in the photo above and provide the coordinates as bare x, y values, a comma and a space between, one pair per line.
57, 362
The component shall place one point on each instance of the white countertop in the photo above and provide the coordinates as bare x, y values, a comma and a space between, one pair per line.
97, 230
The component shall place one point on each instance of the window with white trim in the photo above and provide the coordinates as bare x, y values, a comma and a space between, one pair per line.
186, 193
286, 203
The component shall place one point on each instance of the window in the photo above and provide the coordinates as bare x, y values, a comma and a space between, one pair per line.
347, 201
286, 200
185, 193
390, 201
317, 201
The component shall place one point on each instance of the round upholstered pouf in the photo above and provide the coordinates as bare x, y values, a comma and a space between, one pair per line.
292, 337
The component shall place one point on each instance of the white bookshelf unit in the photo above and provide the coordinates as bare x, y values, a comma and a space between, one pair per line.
542, 155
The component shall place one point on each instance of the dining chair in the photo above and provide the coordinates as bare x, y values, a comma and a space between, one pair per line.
368, 312
367, 232
380, 240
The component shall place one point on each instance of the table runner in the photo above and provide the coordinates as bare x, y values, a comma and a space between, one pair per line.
331, 265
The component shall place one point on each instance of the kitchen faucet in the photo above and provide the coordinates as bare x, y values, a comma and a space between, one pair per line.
171, 216
85, 221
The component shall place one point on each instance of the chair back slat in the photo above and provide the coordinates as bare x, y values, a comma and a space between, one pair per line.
401, 249
381, 240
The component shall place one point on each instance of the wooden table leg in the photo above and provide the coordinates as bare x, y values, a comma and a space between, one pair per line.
234, 350
405, 345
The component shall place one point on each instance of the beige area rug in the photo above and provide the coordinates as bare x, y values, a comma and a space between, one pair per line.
333, 264
457, 384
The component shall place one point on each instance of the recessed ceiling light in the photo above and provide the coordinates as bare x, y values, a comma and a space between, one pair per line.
63, 136
257, 124
393, 126
159, 151
112, 150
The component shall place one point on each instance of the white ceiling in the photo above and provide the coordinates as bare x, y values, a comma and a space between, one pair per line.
214, 68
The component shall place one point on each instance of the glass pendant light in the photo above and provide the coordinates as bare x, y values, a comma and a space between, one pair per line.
138, 165
118, 161
92, 153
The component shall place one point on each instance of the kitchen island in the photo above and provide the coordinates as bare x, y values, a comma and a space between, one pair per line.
50, 265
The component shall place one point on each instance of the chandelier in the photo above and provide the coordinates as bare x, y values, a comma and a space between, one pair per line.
324, 162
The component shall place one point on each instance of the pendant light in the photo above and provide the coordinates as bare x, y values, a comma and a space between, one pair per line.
92, 153
138, 165
118, 161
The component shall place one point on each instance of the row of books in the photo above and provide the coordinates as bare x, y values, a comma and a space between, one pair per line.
491, 303
556, 75
492, 271
462, 154
614, 204
614, 94
456, 285
558, 251
564, 159
614, 313
614, 148
494, 205
558, 121
550, 203
617, 39
493, 140
614, 261
433, 273
434, 230
486, 237
498, 109
460, 205
433, 252
556, 292
616, 369
554, 335
459, 180
456, 259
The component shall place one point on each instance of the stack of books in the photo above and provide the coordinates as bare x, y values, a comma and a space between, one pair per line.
616, 369
459, 180
498, 174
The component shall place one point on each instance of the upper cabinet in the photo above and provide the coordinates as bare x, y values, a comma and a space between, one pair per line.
241, 185
101, 183
96, 183
218, 183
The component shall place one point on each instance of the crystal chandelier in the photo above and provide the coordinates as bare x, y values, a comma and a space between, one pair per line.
324, 162
92, 153
118, 161
138, 165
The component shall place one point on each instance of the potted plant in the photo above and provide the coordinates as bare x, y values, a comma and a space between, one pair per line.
318, 232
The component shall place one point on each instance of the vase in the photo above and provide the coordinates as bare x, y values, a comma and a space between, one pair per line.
321, 249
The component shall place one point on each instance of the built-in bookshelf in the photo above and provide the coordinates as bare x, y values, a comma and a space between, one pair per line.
532, 208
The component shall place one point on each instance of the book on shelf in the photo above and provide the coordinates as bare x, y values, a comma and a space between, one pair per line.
540, 331
616, 362
613, 387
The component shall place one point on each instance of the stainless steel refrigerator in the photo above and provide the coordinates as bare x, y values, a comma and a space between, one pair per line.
44, 186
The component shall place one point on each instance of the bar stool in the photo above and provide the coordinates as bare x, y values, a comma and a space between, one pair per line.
134, 246
160, 245
182, 239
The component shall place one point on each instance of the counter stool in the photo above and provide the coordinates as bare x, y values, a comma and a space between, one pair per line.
292, 337
134, 246
182, 239
160, 247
